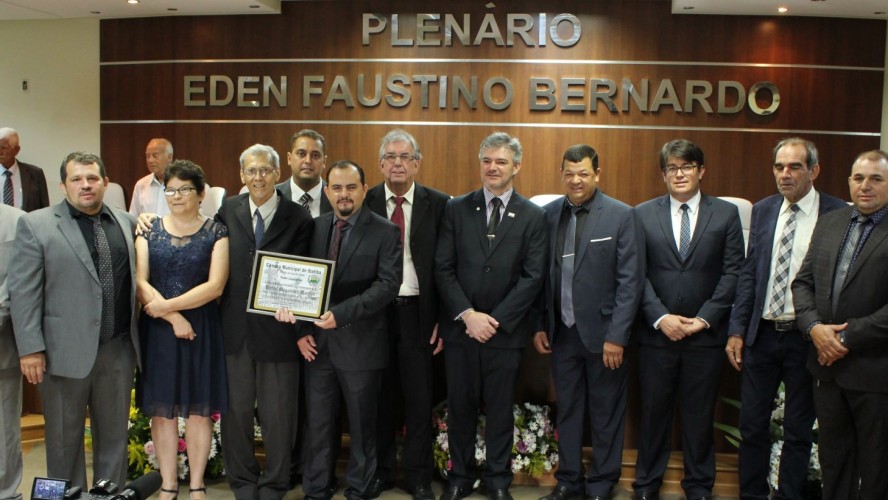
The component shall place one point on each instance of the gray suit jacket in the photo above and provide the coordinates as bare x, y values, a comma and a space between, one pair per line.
608, 273
8, 218
55, 291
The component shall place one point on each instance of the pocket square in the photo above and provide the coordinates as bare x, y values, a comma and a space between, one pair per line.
601, 239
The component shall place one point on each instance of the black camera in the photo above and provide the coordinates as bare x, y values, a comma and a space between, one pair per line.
45, 488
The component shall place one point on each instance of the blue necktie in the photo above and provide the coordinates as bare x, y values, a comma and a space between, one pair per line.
260, 228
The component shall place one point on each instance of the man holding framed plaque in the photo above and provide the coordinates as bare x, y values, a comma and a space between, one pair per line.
346, 348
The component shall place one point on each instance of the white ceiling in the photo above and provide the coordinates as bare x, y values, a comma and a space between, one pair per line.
108, 9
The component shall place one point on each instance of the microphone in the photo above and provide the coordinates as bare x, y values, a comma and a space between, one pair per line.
141, 488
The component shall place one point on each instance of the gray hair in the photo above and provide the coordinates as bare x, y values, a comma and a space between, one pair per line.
811, 150
398, 135
10, 135
261, 150
167, 145
501, 139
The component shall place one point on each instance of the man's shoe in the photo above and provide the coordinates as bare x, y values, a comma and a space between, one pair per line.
376, 487
647, 495
422, 492
562, 492
499, 494
455, 493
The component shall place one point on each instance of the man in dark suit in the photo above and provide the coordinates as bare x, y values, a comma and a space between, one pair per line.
490, 263
413, 315
596, 277
346, 348
307, 159
694, 250
10, 372
841, 301
261, 355
73, 297
22, 185
764, 340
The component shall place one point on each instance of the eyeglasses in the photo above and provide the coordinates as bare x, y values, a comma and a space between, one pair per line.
263, 172
184, 191
686, 169
392, 157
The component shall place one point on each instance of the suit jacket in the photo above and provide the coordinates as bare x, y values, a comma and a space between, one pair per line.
701, 286
502, 279
9, 216
55, 291
863, 303
753, 281
427, 211
365, 281
608, 273
287, 190
34, 191
267, 339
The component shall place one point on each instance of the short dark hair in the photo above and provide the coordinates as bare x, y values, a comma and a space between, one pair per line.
578, 153
681, 148
83, 159
310, 134
186, 170
344, 164
811, 156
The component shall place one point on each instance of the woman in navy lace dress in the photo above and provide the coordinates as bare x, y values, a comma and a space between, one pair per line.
181, 269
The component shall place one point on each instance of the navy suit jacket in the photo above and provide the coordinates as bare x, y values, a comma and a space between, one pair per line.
701, 286
608, 273
753, 281
502, 279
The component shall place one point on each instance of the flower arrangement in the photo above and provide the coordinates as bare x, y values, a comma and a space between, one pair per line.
814, 473
140, 448
534, 448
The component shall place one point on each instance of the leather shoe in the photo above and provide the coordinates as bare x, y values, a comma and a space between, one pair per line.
599, 497
376, 487
562, 492
422, 492
455, 493
499, 494
647, 495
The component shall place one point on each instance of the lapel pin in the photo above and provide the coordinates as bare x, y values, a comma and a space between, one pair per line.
511, 214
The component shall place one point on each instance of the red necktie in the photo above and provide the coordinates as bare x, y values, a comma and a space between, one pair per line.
336, 240
398, 216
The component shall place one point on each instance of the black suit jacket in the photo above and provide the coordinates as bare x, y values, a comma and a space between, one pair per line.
365, 281
701, 286
287, 190
290, 230
34, 191
502, 279
753, 281
863, 303
427, 211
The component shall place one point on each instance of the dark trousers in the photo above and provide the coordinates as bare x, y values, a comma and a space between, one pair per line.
853, 441
271, 389
475, 373
775, 357
581, 379
326, 386
691, 375
409, 374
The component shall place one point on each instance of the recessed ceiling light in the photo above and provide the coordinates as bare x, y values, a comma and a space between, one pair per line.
132, 1
782, 10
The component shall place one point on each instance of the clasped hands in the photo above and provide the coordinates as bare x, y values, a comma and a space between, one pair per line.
480, 326
827, 341
678, 327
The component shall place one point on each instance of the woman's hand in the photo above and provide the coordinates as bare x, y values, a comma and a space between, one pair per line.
158, 307
182, 328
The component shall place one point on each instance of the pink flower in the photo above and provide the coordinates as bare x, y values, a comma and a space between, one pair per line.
450, 465
149, 447
215, 417
182, 445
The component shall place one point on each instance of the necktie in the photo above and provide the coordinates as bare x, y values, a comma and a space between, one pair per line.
398, 216
259, 230
7, 189
494, 219
336, 240
781, 270
305, 201
567, 269
847, 255
106, 279
684, 238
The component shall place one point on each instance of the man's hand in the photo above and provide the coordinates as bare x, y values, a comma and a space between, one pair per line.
734, 351
182, 328
435, 340
143, 223
327, 321
693, 325
541, 343
612, 355
480, 326
308, 347
826, 340
284, 315
674, 327
33, 367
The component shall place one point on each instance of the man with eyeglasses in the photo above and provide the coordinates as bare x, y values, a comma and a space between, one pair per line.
148, 192
307, 159
765, 343
413, 333
261, 354
694, 250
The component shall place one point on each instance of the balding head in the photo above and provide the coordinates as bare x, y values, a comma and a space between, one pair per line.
158, 155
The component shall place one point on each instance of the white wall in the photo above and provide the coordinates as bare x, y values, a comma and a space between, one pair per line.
60, 112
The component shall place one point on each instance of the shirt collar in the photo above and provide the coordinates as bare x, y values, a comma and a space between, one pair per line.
407, 196
78, 214
315, 192
586, 204
875, 217
806, 204
14, 168
692, 204
156, 181
505, 197
266, 208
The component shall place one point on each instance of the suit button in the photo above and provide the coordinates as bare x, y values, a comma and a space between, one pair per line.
486, 269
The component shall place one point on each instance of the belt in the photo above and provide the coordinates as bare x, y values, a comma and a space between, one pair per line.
405, 300
788, 325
